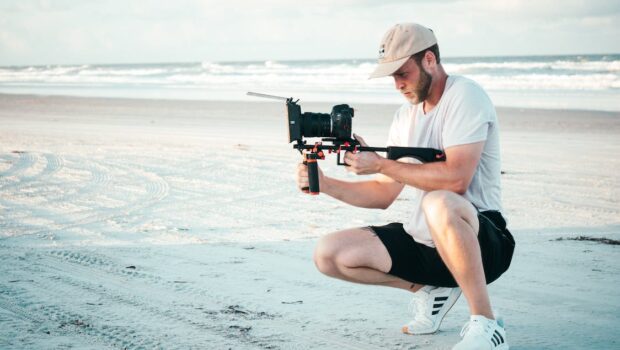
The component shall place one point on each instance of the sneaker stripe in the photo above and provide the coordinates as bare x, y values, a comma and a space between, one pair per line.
496, 339
441, 298
435, 312
435, 306
500, 337
494, 342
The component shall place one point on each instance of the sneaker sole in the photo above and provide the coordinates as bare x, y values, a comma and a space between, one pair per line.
451, 301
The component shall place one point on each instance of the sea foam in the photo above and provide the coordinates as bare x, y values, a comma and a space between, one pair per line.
520, 81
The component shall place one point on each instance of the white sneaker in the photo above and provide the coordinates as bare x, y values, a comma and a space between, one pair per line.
429, 306
482, 333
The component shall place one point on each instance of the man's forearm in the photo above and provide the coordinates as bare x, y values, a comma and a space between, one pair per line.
363, 194
427, 176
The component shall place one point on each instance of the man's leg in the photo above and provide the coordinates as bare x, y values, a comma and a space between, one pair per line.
358, 255
454, 227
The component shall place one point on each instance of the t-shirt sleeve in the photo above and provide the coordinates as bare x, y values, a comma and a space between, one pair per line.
469, 118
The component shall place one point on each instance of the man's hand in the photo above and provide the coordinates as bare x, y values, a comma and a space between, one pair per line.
363, 163
302, 177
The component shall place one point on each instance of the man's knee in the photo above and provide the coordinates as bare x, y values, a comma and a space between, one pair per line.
325, 256
357, 247
438, 206
443, 208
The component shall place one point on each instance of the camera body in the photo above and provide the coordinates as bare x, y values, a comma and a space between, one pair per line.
336, 125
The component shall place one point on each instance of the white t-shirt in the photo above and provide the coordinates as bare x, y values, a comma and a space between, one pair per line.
464, 115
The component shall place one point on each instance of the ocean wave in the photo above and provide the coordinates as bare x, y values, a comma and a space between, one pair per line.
593, 82
585, 66
535, 75
274, 64
328, 79
217, 68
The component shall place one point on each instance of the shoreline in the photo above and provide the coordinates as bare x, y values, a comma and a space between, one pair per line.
252, 100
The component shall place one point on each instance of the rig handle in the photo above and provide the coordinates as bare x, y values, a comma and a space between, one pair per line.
310, 159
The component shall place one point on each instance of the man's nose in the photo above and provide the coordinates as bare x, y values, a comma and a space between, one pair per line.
398, 83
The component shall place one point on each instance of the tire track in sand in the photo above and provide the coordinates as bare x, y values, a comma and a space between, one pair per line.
24, 161
69, 285
156, 189
52, 317
295, 328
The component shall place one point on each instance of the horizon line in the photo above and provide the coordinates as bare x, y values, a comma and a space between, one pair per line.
295, 60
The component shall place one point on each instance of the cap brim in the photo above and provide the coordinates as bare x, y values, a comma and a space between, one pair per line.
388, 68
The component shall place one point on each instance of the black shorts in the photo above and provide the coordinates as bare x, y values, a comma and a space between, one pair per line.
418, 263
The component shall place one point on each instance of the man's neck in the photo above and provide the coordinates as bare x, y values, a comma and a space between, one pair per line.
437, 87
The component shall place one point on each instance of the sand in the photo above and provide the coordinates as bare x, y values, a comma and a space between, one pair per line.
176, 224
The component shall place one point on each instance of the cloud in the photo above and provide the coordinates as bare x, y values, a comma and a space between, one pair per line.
553, 9
64, 31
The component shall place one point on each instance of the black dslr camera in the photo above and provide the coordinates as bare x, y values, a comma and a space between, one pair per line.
335, 129
336, 125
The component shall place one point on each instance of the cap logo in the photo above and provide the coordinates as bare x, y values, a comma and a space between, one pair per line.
382, 52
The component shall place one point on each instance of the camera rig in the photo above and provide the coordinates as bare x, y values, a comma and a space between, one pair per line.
334, 129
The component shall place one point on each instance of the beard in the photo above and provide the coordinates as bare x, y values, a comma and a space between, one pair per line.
424, 86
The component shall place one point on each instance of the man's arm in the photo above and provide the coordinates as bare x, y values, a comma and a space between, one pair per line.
455, 174
378, 193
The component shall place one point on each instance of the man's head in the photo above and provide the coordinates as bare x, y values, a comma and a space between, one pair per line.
410, 54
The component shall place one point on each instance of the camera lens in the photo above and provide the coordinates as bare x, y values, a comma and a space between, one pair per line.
316, 125
337, 124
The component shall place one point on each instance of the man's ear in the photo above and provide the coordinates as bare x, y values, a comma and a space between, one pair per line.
430, 59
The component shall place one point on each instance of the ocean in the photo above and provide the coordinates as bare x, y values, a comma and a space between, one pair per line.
590, 82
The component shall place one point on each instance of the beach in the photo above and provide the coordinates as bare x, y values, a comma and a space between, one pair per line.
144, 223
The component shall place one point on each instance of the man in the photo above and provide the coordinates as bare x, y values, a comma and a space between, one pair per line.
456, 236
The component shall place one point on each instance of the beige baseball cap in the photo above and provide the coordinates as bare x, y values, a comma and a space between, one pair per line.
398, 44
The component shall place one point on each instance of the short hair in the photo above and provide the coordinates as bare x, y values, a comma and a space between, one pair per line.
420, 55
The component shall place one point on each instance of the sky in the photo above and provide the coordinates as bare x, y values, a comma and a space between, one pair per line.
41, 32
